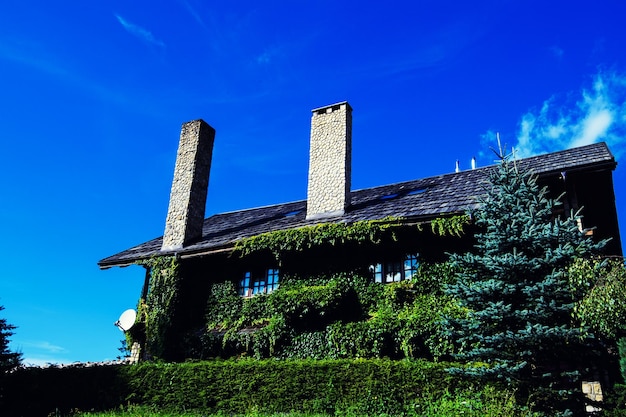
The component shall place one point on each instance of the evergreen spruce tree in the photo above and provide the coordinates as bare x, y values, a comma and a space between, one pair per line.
8, 360
516, 290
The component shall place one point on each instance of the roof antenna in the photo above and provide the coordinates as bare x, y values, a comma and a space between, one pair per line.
458, 168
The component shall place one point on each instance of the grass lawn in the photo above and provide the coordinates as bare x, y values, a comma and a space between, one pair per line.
145, 412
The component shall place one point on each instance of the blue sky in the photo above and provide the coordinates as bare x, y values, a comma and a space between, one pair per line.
93, 97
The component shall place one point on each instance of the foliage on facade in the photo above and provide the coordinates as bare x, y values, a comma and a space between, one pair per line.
335, 234
600, 292
306, 237
516, 287
452, 226
599, 286
267, 328
157, 310
341, 316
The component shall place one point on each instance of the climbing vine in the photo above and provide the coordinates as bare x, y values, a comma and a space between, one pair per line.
333, 234
158, 308
342, 315
260, 324
599, 288
452, 226
306, 237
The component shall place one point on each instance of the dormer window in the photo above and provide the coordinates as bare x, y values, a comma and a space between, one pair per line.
261, 282
395, 270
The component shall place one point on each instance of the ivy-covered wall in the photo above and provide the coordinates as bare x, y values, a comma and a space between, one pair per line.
326, 305
344, 315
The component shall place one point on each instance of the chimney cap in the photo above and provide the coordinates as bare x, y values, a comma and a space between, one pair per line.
331, 107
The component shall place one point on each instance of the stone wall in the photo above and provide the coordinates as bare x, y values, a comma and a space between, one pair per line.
330, 161
593, 391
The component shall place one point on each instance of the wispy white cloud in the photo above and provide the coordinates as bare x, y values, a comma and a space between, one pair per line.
599, 114
139, 32
43, 353
45, 346
194, 13
217, 29
43, 361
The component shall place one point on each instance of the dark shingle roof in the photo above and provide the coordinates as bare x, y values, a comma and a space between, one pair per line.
421, 199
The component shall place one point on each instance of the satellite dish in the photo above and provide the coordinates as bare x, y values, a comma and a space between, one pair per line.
126, 320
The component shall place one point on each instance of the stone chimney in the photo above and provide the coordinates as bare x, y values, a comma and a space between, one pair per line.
330, 160
185, 214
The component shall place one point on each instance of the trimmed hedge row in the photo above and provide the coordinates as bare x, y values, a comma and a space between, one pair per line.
376, 386
243, 386
57, 391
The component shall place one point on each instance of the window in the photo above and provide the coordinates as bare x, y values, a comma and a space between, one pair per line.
258, 283
417, 191
395, 270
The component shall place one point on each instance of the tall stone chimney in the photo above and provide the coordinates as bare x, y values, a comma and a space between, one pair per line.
185, 214
330, 161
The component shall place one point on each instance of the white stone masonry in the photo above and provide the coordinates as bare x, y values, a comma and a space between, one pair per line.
185, 214
330, 161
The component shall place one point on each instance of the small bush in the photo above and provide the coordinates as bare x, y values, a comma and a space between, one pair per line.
488, 402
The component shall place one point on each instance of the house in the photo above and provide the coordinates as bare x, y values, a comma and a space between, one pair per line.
205, 248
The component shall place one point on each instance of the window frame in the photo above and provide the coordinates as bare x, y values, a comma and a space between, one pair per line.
256, 282
395, 269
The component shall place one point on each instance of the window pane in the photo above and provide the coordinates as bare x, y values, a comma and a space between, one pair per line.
258, 286
393, 271
272, 279
410, 266
377, 271
244, 285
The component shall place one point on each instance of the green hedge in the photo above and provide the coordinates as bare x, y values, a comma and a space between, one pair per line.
368, 387
54, 391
